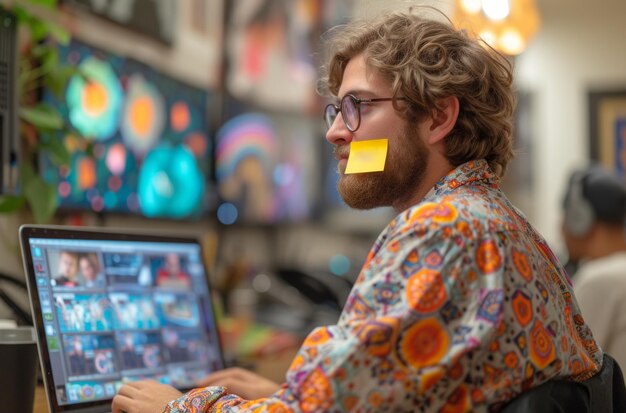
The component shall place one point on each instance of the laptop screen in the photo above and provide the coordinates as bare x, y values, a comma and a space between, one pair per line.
115, 308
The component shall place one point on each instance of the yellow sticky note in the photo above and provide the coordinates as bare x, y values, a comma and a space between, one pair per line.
367, 156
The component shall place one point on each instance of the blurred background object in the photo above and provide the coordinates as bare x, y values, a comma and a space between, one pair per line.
506, 25
594, 231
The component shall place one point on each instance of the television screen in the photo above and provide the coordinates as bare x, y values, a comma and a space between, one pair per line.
147, 148
266, 166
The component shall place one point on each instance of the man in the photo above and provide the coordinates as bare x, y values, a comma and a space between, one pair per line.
130, 352
594, 230
460, 305
171, 273
67, 273
76, 358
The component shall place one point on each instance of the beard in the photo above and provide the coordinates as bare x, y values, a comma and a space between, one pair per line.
406, 163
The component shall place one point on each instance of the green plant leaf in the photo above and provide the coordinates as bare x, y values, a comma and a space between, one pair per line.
38, 29
42, 116
50, 59
24, 75
27, 173
10, 203
42, 199
54, 146
45, 3
40, 50
58, 33
58, 78
23, 15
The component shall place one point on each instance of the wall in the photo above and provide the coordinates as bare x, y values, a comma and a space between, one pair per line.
371, 8
193, 57
579, 47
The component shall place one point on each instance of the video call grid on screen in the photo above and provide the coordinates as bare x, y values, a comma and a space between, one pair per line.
116, 311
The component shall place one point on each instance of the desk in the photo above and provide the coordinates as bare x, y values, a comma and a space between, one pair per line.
41, 404
273, 367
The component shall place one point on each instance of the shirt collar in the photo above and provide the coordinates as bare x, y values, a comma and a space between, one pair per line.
467, 173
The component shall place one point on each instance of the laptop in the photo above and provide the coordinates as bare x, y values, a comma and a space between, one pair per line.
111, 307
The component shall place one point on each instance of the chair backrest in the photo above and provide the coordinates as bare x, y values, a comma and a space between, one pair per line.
603, 393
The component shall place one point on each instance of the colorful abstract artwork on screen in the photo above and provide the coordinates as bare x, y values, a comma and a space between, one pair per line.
265, 167
148, 149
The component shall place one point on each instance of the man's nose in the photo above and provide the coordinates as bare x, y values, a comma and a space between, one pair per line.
338, 132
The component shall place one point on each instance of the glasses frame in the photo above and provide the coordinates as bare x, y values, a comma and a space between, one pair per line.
357, 104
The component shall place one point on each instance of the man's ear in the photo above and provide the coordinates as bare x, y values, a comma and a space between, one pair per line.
442, 119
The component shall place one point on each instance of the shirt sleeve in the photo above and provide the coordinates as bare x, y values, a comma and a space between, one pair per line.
420, 305
196, 401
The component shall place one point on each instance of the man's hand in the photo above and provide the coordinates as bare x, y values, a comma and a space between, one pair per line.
143, 397
241, 382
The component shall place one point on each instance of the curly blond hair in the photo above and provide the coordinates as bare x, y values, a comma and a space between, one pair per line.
426, 60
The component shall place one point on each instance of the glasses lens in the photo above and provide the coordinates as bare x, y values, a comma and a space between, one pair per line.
350, 112
330, 114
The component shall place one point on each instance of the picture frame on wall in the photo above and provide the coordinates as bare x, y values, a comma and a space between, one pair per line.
607, 128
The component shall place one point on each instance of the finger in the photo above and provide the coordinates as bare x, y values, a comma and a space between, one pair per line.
218, 377
142, 384
207, 381
128, 390
121, 404
235, 384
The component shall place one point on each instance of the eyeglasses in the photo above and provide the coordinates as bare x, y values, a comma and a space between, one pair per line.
350, 108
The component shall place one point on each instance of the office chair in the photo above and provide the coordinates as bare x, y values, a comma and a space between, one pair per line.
603, 393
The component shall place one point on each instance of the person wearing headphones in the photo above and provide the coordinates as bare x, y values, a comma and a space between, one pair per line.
594, 230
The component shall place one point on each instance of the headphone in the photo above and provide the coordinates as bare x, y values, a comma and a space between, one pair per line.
594, 194
579, 213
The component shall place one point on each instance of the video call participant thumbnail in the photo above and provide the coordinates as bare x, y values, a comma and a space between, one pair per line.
67, 270
171, 273
90, 270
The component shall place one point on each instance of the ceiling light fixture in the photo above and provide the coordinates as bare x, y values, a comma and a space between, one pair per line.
506, 25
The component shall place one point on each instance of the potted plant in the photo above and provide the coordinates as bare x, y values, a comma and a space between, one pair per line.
39, 122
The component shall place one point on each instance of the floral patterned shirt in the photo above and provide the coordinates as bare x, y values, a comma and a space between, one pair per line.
459, 307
